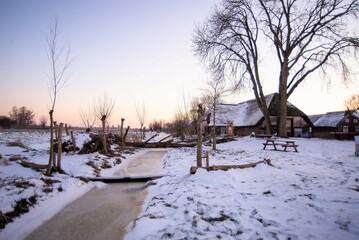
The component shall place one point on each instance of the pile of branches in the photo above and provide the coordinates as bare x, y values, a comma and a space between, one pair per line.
96, 143
67, 146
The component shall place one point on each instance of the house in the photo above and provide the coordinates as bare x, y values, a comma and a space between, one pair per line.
246, 118
5, 122
338, 125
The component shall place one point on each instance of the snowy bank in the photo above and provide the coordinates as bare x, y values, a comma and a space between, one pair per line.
312, 194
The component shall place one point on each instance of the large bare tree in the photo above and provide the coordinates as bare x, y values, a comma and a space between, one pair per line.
103, 110
59, 62
306, 36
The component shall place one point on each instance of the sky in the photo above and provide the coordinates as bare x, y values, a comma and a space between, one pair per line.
133, 51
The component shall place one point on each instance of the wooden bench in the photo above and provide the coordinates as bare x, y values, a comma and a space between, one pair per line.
283, 143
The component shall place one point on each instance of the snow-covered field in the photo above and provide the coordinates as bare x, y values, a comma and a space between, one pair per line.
312, 194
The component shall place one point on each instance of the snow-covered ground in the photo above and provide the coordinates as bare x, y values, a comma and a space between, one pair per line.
312, 194
51, 194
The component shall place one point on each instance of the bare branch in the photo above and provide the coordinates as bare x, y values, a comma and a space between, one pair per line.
103, 107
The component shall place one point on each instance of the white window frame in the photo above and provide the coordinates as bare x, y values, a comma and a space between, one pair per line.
345, 129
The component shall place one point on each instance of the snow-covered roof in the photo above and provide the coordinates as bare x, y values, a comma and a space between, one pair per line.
242, 114
330, 119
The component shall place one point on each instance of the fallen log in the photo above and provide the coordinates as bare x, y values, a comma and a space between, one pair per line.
34, 166
193, 169
151, 138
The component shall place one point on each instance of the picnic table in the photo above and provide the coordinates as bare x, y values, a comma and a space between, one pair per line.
282, 143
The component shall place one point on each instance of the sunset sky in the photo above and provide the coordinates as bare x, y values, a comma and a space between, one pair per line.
135, 51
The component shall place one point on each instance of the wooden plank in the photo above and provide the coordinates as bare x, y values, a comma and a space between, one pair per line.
125, 179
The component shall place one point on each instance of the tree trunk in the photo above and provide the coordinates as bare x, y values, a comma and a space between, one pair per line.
59, 146
199, 135
73, 140
214, 140
122, 138
49, 165
262, 104
283, 100
104, 142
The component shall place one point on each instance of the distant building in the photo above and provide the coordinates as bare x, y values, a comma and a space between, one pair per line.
5, 122
338, 125
246, 118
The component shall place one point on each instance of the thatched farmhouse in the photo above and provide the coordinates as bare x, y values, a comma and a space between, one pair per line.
246, 118
339, 125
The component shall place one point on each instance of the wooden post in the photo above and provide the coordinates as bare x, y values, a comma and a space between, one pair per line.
66, 129
122, 137
200, 113
207, 160
49, 165
59, 146
56, 129
54, 159
73, 140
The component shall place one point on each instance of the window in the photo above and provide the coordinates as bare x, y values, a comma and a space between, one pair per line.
355, 120
347, 120
356, 128
345, 129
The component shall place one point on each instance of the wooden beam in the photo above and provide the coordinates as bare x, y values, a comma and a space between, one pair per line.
125, 179
193, 169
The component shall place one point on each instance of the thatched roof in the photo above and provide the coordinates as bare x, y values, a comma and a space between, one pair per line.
247, 113
332, 119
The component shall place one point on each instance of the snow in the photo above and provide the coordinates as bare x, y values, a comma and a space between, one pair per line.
312, 194
17, 182
242, 114
331, 119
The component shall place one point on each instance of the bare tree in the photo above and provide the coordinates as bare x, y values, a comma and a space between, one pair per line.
157, 126
180, 125
88, 117
59, 61
200, 111
141, 116
306, 37
103, 110
352, 103
215, 90
22, 116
